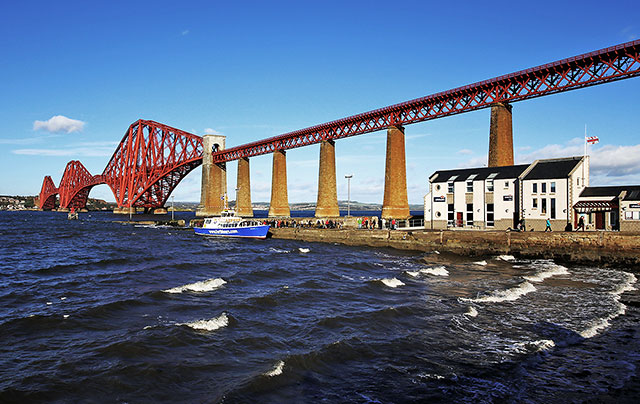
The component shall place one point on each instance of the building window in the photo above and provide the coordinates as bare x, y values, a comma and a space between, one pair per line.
490, 216
553, 187
438, 214
469, 186
535, 187
553, 208
490, 186
578, 181
450, 215
450, 187
544, 206
469, 214
438, 187
506, 185
543, 187
534, 205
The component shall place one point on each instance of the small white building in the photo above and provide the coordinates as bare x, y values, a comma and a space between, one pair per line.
500, 197
609, 208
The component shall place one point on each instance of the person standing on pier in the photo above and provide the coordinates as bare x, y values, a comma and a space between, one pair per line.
548, 225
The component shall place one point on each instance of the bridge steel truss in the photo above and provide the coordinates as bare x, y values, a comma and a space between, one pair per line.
48, 193
75, 185
150, 161
606, 65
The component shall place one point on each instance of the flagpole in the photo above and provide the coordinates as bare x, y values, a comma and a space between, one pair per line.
585, 155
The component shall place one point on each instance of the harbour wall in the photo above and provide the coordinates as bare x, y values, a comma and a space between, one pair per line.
599, 248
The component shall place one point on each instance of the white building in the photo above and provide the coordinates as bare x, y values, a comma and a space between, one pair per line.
500, 197
609, 208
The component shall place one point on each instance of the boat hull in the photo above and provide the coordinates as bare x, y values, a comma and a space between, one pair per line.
247, 232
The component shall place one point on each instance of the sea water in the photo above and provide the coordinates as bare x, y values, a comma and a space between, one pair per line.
93, 310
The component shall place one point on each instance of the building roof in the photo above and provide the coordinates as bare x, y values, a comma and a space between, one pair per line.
552, 168
633, 192
481, 173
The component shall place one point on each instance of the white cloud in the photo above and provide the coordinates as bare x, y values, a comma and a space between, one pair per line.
474, 162
102, 149
465, 151
609, 163
59, 123
185, 32
209, 131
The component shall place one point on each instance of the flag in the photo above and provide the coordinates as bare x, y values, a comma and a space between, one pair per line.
592, 139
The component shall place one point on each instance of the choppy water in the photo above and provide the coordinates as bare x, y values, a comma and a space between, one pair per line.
97, 311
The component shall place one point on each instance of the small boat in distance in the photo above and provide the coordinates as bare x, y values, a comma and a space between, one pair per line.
230, 225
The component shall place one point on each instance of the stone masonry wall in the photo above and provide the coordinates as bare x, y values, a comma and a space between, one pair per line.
601, 248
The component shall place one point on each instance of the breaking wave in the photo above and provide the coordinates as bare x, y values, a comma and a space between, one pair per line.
549, 269
202, 286
600, 324
277, 370
209, 325
392, 283
508, 295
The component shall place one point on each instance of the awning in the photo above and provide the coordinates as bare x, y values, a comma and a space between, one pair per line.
595, 206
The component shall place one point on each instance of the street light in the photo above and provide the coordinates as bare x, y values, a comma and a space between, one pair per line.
348, 177
172, 209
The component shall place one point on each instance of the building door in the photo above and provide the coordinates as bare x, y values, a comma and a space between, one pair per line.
600, 220
459, 219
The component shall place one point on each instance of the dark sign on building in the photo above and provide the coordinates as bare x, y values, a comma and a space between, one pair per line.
507, 198
635, 206
439, 199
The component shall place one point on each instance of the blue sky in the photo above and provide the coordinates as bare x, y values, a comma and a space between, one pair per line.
251, 70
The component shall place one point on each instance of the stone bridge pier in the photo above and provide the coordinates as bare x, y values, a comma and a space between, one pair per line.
500, 136
213, 190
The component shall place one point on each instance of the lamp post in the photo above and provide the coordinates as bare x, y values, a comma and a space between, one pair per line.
172, 209
348, 177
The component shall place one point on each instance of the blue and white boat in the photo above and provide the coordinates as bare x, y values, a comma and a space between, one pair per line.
230, 225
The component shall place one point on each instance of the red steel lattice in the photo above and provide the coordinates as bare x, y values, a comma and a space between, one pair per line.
150, 161
75, 185
48, 193
606, 65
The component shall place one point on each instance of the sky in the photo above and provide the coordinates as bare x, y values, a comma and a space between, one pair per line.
76, 74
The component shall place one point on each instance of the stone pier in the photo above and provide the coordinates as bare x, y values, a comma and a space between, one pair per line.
500, 136
243, 189
327, 204
279, 206
395, 204
214, 178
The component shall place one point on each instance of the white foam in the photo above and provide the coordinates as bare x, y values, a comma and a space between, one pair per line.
49, 303
209, 325
539, 345
303, 250
437, 271
600, 324
277, 370
65, 316
508, 295
277, 250
472, 312
483, 263
436, 252
392, 283
202, 286
506, 257
549, 271
413, 273
63, 298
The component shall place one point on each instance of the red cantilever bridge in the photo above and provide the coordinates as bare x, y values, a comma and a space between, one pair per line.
152, 158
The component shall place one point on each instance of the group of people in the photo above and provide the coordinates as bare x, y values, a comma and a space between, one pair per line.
367, 223
522, 227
